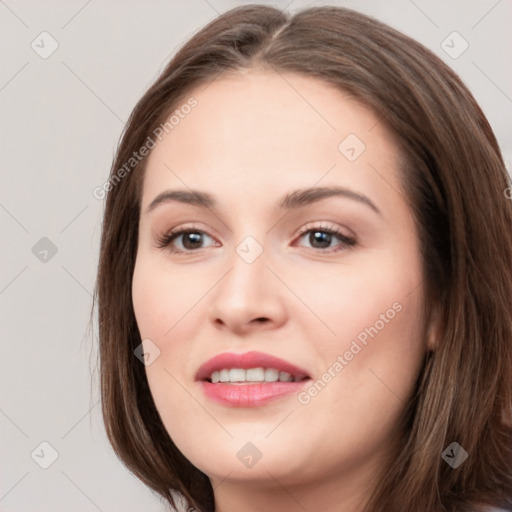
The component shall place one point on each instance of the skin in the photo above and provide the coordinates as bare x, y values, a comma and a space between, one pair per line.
254, 137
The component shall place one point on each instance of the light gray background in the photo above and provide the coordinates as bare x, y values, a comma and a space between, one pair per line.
61, 121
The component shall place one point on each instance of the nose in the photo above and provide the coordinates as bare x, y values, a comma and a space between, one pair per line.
248, 298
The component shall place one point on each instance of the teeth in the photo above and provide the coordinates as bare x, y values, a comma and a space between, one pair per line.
271, 375
255, 375
285, 377
234, 375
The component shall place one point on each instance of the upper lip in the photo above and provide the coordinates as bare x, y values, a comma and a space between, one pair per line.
245, 361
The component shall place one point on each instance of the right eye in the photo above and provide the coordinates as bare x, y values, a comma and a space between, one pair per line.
183, 240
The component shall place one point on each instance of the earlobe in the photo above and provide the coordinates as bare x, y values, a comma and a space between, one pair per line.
434, 328
431, 342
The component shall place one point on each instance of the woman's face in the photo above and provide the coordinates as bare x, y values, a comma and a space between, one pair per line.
260, 271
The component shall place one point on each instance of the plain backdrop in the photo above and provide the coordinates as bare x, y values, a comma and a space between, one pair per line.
62, 115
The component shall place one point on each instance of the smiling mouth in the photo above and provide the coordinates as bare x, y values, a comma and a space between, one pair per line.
250, 379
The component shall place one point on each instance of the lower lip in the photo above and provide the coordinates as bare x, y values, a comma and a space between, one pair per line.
250, 395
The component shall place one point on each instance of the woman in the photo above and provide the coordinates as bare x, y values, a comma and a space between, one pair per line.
305, 288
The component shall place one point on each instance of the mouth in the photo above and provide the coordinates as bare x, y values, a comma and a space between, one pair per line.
249, 379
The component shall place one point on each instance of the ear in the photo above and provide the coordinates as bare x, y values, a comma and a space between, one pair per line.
434, 330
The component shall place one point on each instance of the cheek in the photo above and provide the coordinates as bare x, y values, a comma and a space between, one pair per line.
363, 386
378, 355
169, 310
370, 367
380, 298
163, 304
162, 297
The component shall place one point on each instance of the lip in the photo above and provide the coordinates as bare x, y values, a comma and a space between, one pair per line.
254, 394
250, 395
245, 361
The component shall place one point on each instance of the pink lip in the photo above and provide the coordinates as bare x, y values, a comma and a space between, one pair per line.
249, 395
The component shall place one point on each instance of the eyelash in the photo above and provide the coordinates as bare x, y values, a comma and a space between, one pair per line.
167, 239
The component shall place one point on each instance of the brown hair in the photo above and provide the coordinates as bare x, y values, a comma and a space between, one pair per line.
455, 179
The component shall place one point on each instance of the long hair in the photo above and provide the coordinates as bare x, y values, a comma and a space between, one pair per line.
455, 180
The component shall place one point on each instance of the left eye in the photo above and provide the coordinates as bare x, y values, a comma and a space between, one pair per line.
321, 238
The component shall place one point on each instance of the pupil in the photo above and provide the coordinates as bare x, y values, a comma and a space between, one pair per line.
321, 237
194, 238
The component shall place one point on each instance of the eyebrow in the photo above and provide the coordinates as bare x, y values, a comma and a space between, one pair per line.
292, 200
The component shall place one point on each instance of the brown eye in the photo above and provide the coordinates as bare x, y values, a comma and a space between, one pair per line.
322, 238
183, 240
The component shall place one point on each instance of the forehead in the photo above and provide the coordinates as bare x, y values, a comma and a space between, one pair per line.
259, 129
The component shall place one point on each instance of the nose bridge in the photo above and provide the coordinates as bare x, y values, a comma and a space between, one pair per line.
249, 248
247, 275
246, 292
